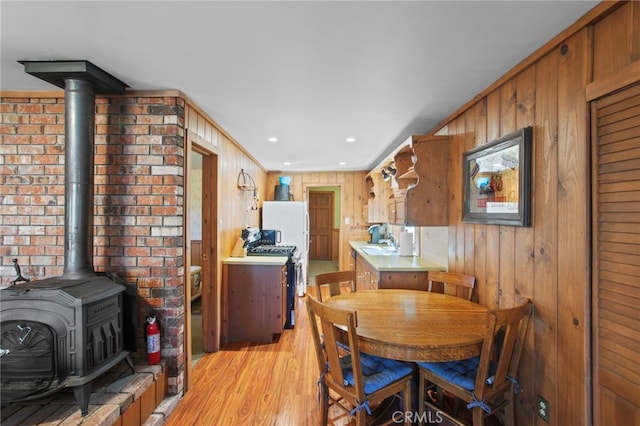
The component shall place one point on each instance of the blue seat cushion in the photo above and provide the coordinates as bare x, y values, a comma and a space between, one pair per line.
343, 346
378, 372
461, 373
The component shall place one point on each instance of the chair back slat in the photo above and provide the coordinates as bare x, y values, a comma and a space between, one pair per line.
513, 323
333, 281
460, 285
334, 322
316, 337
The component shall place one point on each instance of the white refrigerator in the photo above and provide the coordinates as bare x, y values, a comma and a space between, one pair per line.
291, 219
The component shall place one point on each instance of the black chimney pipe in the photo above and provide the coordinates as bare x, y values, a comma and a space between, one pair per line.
78, 217
81, 80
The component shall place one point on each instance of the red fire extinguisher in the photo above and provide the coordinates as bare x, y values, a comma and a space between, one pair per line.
153, 340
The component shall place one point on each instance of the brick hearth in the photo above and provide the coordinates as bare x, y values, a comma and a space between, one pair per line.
118, 398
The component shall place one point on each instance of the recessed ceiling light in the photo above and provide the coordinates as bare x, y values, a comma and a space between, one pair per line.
286, 163
272, 139
343, 163
351, 140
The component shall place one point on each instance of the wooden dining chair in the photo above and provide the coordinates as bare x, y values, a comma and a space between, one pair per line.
460, 285
487, 382
360, 380
333, 281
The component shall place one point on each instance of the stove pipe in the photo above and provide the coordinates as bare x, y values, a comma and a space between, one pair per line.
78, 217
81, 80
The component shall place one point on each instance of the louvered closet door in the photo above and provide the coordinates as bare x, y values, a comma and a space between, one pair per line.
616, 273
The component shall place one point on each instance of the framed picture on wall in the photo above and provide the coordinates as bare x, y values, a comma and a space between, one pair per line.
497, 181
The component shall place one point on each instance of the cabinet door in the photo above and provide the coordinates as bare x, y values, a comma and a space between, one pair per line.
256, 304
391, 215
397, 211
427, 203
367, 277
400, 212
360, 274
275, 301
374, 277
352, 260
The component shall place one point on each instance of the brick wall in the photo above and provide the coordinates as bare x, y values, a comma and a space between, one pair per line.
139, 200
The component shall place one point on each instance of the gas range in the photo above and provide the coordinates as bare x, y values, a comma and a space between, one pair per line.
271, 250
263, 243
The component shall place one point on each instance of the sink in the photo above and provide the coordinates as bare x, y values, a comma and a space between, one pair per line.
379, 250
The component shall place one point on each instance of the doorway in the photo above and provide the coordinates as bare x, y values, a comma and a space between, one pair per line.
194, 279
201, 332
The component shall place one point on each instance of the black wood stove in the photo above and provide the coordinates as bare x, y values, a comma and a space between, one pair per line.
66, 331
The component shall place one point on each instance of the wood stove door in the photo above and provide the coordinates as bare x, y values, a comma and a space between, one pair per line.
27, 361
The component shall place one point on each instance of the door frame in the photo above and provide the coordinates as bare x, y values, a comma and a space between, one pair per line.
210, 242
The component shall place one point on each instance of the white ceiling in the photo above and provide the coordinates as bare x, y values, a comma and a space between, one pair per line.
309, 73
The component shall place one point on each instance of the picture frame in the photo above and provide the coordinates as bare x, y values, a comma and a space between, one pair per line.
497, 181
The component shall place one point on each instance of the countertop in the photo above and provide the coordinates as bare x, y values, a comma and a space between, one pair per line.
256, 260
395, 262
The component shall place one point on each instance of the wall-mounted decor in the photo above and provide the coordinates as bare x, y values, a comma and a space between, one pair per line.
497, 181
246, 183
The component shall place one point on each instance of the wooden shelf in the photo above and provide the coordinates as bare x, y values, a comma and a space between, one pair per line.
404, 165
420, 194
409, 175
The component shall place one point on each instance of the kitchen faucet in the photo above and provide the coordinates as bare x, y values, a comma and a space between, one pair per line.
391, 241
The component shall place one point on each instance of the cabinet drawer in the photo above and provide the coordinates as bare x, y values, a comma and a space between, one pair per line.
404, 280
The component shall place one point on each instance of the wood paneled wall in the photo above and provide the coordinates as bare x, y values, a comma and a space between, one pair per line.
548, 262
235, 208
353, 199
234, 204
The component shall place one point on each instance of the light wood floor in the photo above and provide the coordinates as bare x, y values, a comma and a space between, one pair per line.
257, 384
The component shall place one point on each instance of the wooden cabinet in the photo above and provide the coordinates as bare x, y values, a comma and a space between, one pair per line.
418, 194
256, 305
369, 278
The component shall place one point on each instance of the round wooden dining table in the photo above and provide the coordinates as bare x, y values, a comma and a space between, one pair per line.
413, 325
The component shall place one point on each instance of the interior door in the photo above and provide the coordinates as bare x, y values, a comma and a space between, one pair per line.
320, 225
616, 251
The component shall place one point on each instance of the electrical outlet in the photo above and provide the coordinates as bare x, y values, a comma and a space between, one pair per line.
543, 409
